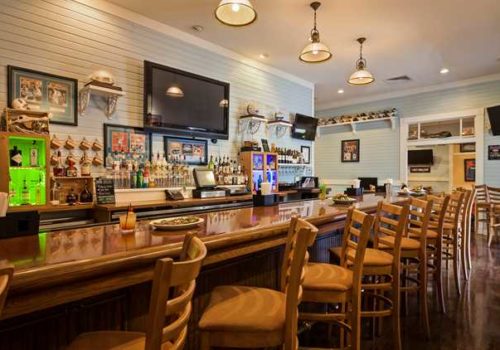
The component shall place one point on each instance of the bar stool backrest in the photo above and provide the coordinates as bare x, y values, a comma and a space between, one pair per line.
439, 209
6, 272
481, 193
390, 224
301, 235
454, 208
419, 215
172, 291
493, 194
466, 206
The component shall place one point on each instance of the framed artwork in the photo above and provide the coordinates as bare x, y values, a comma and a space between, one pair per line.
469, 169
349, 151
306, 154
420, 169
45, 93
195, 152
265, 145
125, 141
494, 152
467, 147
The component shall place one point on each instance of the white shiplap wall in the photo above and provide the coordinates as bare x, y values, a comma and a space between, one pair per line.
68, 38
380, 145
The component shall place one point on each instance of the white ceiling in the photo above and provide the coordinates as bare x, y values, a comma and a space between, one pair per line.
414, 38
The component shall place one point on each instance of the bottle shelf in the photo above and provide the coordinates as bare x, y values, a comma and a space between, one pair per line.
62, 178
27, 168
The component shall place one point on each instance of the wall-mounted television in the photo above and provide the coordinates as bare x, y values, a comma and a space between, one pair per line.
304, 127
420, 157
182, 103
494, 116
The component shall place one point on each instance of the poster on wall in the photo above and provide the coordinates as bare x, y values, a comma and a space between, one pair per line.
127, 142
469, 169
45, 92
193, 152
494, 152
350, 151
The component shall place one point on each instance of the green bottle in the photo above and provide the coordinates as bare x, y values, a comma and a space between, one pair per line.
140, 177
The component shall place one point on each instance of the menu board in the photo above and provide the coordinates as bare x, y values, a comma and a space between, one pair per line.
105, 191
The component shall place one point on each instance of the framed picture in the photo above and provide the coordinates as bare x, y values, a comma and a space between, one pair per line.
194, 152
467, 147
45, 93
420, 169
469, 169
306, 154
265, 145
494, 152
125, 141
349, 151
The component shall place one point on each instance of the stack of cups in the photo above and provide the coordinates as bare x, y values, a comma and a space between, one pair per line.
4, 204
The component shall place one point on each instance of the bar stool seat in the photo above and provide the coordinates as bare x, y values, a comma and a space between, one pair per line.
244, 311
112, 340
373, 257
414, 232
406, 243
327, 277
446, 225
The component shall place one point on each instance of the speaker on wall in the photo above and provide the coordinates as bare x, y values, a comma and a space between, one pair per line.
494, 116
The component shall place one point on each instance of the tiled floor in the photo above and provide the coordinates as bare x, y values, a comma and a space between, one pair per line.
472, 321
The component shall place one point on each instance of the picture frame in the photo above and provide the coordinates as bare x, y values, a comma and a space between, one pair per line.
306, 154
195, 151
420, 169
467, 147
127, 141
265, 145
469, 170
45, 92
493, 152
350, 151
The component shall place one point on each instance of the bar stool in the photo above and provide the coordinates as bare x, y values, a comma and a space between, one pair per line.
332, 284
172, 291
383, 268
6, 273
465, 217
435, 245
481, 208
494, 212
251, 317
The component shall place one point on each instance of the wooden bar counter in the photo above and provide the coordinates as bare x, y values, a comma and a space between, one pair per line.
103, 276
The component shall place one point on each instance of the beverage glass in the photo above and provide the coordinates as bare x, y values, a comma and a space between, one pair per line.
127, 222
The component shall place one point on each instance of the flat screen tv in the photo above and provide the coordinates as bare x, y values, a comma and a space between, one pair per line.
494, 116
182, 103
420, 157
304, 127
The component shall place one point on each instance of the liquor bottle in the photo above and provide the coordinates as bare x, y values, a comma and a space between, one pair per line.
16, 157
133, 176
58, 168
71, 198
109, 161
85, 168
85, 195
211, 164
12, 193
146, 175
25, 194
34, 155
71, 170
259, 182
140, 177
38, 191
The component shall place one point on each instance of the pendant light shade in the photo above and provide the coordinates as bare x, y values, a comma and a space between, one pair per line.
361, 76
316, 51
175, 91
236, 13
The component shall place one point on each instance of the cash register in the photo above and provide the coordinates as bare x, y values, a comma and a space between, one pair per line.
206, 187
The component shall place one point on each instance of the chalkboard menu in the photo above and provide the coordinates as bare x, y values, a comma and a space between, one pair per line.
105, 191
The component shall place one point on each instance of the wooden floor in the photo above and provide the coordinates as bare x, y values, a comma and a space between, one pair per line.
472, 321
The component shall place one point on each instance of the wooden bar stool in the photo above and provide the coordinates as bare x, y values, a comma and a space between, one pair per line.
435, 245
381, 266
172, 291
482, 208
6, 272
494, 212
338, 285
465, 221
251, 317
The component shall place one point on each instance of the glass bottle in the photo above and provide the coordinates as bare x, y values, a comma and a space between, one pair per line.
16, 157
211, 164
34, 155
85, 169
12, 193
38, 191
58, 168
85, 195
25, 194
71, 198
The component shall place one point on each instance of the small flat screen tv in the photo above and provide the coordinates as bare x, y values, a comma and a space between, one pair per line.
420, 157
494, 116
304, 127
182, 103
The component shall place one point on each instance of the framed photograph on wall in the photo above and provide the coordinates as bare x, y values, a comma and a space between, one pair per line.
45, 93
306, 154
494, 152
349, 151
194, 152
469, 169
467, 147
126, 141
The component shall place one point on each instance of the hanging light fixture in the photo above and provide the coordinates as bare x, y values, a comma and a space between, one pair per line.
174, 91
361, 76
236, 13
316, 51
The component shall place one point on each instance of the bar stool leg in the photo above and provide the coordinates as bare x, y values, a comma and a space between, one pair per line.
456, 262
396, 311
463, 248
424, 308
438, 277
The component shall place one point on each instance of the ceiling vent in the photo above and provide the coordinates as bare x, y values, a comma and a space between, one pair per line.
398, 79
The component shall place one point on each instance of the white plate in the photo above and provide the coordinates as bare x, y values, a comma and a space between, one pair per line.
170, 227
342, 201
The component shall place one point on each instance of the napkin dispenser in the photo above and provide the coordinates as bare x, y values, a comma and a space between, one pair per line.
19, 224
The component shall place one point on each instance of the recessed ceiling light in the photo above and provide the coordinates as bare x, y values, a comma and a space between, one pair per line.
340, 91
444, 71
264, 55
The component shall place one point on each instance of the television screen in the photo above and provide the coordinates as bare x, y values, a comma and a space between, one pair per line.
494, 116
304, 127
418, 157
179, 102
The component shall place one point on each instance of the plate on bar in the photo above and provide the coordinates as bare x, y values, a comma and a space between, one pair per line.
177, 223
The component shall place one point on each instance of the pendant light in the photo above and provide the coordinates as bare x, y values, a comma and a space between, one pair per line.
361, 76
316, 51
235, 13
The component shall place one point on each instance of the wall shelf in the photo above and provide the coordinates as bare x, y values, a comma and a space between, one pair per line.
353, 125
287, 165
110, 96
441, 141
251, 123
280, 127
